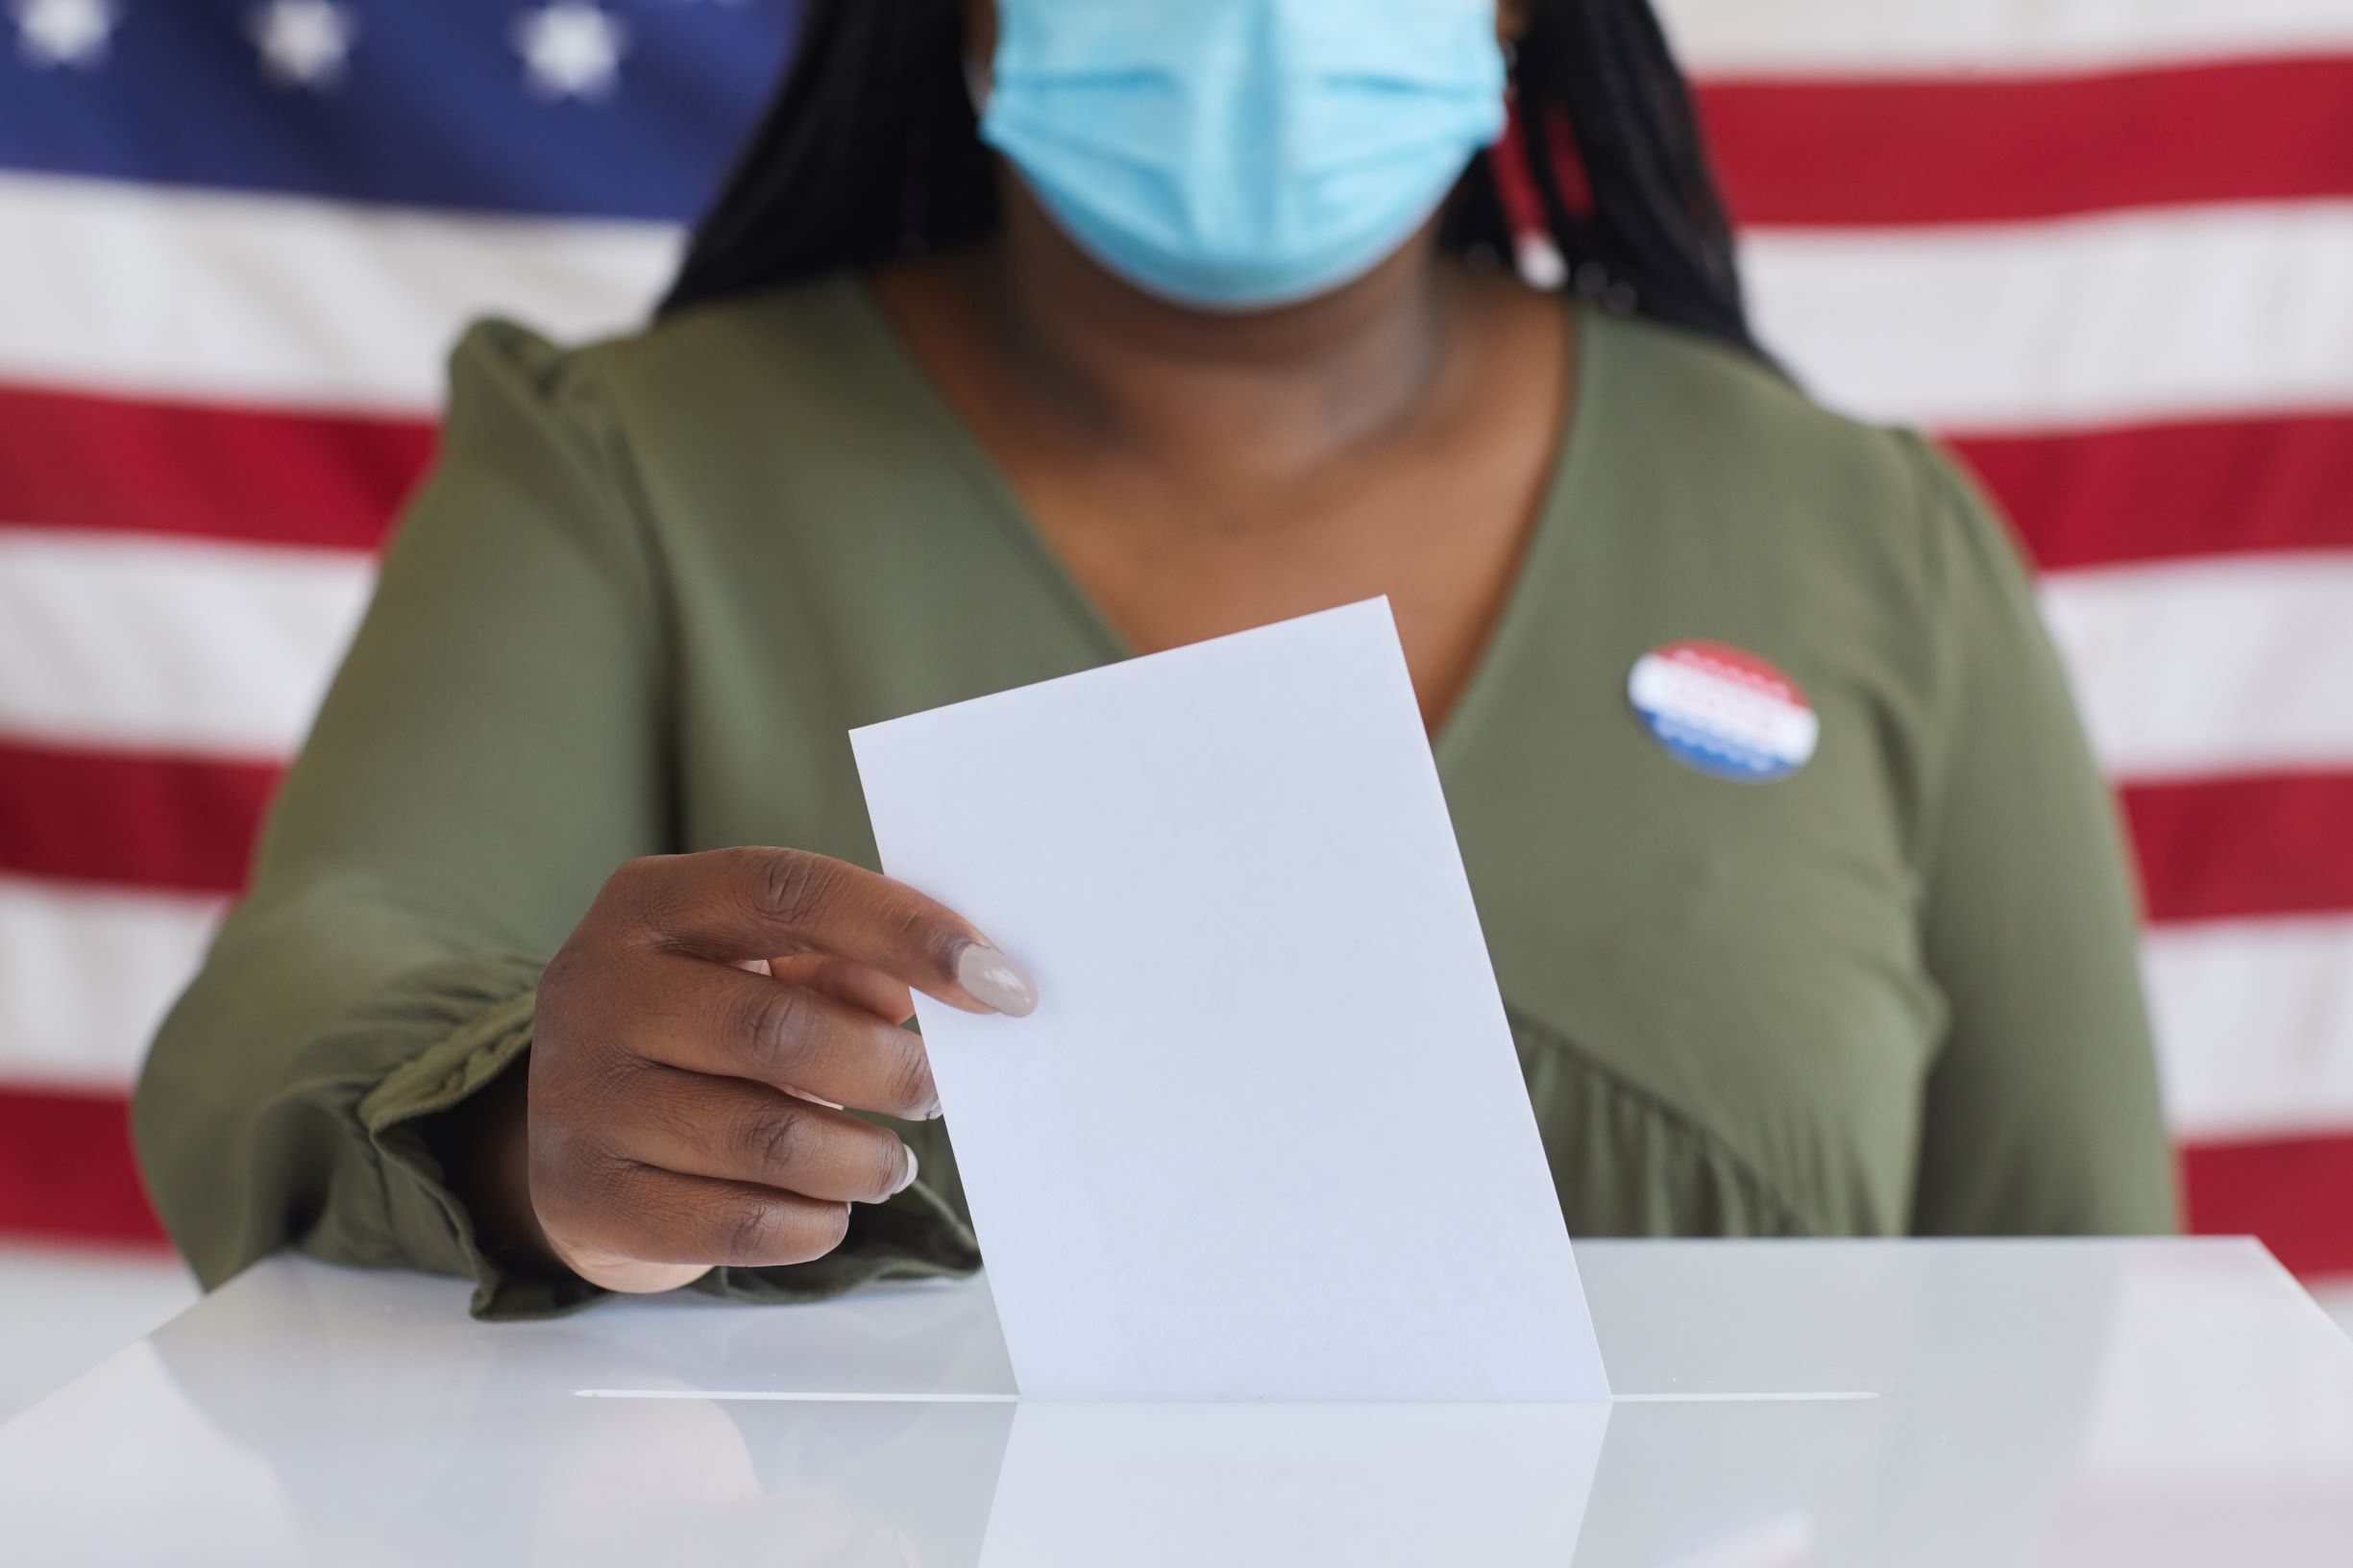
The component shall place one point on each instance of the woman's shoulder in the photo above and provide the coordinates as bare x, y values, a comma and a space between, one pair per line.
1734, 401
764, 343
1731, 424
702, 409
793, 323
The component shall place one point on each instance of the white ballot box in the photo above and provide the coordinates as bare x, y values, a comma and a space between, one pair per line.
1864, 1403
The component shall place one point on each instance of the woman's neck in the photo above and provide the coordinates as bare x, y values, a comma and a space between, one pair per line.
1264, 392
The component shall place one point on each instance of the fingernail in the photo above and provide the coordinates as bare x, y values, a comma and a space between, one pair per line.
996, 981
907, 1180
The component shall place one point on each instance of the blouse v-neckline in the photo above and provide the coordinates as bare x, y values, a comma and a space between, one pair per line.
1550, 534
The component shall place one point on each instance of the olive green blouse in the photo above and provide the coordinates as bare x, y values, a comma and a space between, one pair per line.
653, 583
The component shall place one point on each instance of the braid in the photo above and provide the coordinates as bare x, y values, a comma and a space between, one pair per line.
871, 154
1656, 226
1602, 183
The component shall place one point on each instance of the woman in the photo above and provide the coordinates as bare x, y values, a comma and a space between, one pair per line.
1202, 323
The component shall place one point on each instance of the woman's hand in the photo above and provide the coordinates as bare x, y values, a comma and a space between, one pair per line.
694, 1041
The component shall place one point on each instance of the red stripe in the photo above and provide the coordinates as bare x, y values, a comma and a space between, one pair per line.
2222, 848
2164, 492
1515, 184
1977, 150
2296, 1194
258, 476
1515, 180
2217, 848
184, 823
1568, 165
2081, 499
66, 1168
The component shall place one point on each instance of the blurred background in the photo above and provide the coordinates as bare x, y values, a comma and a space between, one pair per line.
2104, 248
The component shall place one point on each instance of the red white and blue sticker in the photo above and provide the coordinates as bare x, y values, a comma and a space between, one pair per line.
1724, 711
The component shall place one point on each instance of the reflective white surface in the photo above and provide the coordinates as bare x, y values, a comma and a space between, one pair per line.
65, 1308
1832, 1403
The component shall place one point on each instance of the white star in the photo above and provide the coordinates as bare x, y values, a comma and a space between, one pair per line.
571, 49
65, 32
303, 43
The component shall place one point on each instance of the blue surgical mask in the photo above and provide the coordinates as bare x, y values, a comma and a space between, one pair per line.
1240, 155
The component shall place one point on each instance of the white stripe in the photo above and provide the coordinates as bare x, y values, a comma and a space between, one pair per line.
2237, 308
1822, 38
151, 644
2254, 1023
2210, 666
85, 977
271, 300
276, 300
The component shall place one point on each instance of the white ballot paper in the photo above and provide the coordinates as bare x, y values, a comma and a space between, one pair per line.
1265, 1137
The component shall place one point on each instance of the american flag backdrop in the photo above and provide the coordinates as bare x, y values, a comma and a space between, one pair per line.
2105, 247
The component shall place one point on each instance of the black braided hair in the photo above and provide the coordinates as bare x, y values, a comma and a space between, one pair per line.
871, 154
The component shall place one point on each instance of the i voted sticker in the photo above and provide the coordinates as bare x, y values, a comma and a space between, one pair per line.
1724, 711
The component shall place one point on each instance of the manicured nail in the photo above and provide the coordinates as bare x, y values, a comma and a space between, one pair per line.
994, 981
907, 1180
